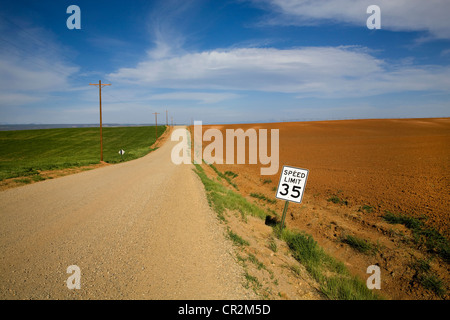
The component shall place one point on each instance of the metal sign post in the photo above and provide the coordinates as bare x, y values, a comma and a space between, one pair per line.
291, 187
121, 152
283, 217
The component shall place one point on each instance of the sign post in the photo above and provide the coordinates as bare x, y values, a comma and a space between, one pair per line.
291, 187
121, 152
283, 217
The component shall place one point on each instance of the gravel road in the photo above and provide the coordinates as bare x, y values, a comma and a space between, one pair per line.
137, 230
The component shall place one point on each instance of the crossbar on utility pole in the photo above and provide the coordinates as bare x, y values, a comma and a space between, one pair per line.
99, 84
156, 124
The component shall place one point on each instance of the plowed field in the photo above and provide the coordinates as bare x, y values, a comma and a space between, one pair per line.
389, 165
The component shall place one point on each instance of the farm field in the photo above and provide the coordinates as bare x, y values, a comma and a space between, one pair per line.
380, 183
28, 153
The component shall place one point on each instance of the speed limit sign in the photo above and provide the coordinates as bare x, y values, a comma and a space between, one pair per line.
292, 184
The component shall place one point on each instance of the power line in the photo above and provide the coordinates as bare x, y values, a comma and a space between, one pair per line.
156, 123
100, 96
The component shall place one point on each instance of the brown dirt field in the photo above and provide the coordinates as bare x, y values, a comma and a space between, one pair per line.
396, 165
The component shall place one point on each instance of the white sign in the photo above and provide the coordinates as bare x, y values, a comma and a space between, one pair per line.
121, 152
292, 184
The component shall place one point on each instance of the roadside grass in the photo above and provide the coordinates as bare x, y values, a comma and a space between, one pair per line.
426, 278
252, 282
333, 277
262, 197
337, 200
221, 198
422, 234
365, 208
231, 174
237, 240
26, 152
433, 283
23, 180
273, 245
225, 176
361, 245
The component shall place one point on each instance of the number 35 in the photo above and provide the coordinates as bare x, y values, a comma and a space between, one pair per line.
295, 193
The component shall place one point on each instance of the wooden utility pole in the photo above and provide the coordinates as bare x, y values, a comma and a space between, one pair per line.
99, 84
156, 124
167, 119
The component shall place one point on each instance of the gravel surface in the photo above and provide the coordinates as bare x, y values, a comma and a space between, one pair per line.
137, 230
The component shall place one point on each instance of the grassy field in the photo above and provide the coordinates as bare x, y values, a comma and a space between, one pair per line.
25, 152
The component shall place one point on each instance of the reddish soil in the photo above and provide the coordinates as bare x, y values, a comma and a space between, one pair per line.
396, 165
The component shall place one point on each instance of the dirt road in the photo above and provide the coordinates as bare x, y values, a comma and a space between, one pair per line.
137, 230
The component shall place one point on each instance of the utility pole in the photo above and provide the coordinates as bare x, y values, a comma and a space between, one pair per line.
100, 96
167, 119
156, 124
171, 119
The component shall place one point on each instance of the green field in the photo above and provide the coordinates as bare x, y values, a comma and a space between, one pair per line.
24, 152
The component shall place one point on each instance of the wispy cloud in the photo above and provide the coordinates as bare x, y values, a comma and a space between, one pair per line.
399, 15
202, 97
32, 65
166, 24
311, 71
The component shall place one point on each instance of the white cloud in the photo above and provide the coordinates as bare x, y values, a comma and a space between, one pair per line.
312, 71
31, 65
398, 15
17, 99
203, 97
35, 73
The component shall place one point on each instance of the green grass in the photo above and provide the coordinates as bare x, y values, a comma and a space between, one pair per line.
366, 208
426, 278
337, 200
361, 245
408, 221
23, 180
333, 277
224, 176
422, 234
262, 197
259, 265
24, 152
220, 198
433, 283
252, 282
273, 246
237, 240
421, 265
231, 174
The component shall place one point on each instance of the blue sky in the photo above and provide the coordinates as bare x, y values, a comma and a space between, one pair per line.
223, 61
